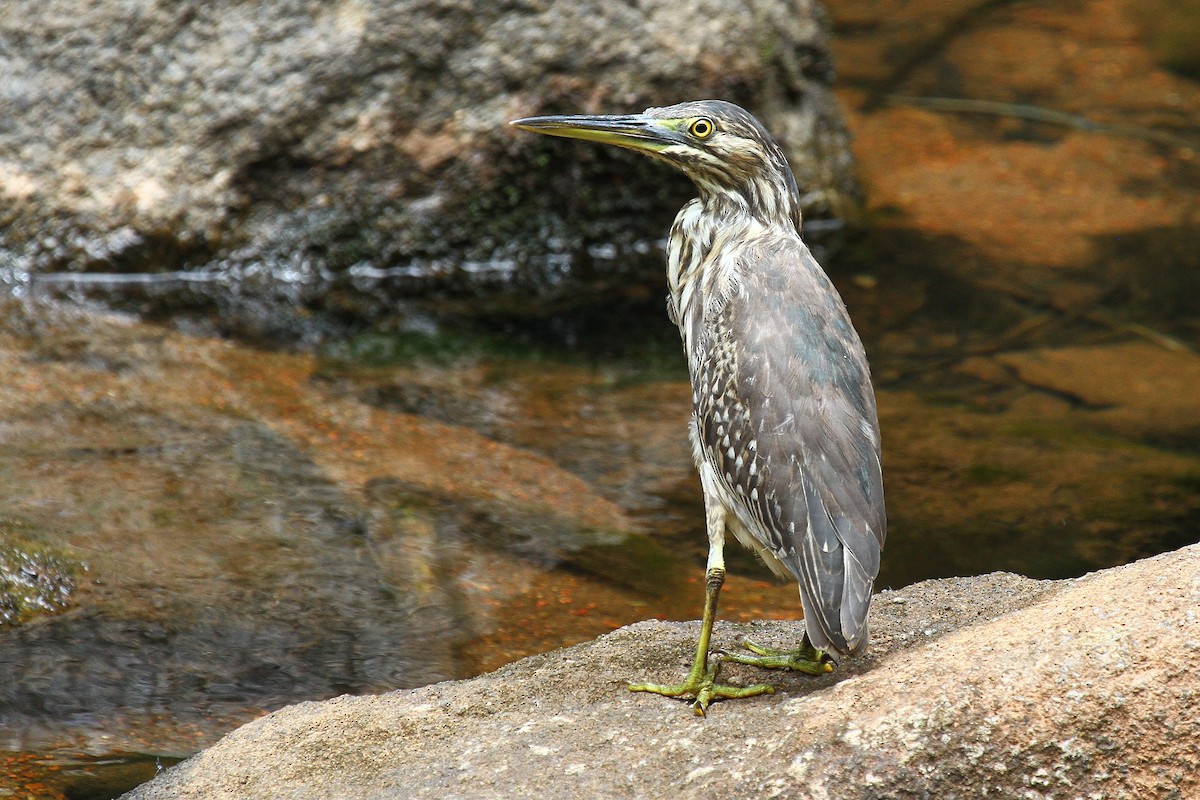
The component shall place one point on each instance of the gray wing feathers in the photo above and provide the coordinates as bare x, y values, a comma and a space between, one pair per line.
804, 398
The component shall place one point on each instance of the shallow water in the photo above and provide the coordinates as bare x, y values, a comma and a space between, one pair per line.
294, 498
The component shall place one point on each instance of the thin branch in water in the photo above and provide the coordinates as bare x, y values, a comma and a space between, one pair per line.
966, 105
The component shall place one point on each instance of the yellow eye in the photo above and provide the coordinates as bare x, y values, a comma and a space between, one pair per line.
702, 128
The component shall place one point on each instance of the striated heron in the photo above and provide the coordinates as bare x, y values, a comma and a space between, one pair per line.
784, 429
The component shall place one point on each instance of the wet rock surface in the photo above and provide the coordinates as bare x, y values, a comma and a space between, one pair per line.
1085, 213
341, 155
988, 471
33, 580
246, 528
996, 683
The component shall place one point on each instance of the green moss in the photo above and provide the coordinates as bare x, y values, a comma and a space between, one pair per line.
1173, 30
1060, 433
631, 560
390, 349
34, 579
987, 474
634, 347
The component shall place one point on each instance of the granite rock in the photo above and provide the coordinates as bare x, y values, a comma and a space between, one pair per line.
989, 686
282, 148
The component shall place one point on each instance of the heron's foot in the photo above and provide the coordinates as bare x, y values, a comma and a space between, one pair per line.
702, 686
805, 658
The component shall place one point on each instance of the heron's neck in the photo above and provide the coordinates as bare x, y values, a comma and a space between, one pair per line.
707, 222
770, 195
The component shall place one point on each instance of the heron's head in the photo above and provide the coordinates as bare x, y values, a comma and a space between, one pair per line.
726, 152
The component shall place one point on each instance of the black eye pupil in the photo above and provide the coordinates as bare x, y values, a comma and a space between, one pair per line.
702, 127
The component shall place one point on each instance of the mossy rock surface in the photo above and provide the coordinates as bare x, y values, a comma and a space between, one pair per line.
34, 579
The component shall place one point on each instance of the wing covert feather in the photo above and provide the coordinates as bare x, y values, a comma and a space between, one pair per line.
788, 418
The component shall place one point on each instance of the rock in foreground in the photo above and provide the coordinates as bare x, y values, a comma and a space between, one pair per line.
996, 686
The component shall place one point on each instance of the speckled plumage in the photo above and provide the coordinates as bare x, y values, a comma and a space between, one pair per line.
784, 429
784, 417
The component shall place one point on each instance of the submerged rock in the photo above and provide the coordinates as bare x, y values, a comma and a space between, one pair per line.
263, 527
991, 685
1136, 388
34, 580
271, 152
249, 539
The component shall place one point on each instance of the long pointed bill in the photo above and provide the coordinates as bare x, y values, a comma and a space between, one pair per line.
634, 131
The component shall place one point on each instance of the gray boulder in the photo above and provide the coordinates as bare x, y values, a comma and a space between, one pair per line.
341, 153
991, 686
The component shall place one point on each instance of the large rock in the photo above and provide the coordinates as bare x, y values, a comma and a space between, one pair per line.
995, 686
286, 145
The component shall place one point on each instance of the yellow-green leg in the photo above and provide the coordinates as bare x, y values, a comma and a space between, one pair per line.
805, 658
701, 683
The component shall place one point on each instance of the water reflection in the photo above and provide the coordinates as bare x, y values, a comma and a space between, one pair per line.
986, 470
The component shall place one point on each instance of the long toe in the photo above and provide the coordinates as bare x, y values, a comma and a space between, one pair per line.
703, 689
805, 658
